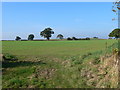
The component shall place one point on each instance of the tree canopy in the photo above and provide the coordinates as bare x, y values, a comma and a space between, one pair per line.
60, 36
17, 38
95, 37
47, 33
115, 33
31, 37
74, 38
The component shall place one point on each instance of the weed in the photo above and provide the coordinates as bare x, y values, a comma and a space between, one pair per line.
96, 60
9, 57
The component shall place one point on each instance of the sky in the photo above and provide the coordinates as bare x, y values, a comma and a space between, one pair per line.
78, 19
58, 0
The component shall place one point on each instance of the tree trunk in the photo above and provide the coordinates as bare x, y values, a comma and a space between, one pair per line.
48, 38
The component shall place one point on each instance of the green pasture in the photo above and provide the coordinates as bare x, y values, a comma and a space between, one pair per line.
54, 48
51, 64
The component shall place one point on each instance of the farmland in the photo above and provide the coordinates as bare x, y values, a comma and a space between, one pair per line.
54, 48
52, 64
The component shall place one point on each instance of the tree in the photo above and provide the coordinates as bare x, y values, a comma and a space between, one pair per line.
47, 33
17, 38
87, 38
115, 33
116, 7
74, 38
69, 38
60, 36
31, 37
95, 37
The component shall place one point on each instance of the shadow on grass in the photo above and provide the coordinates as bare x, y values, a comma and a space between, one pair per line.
11, 64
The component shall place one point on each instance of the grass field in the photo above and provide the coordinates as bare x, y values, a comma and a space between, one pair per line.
50, 64
54, 48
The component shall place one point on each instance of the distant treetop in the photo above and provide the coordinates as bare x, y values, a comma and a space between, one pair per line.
47, 33
60, 36
31, 37
115, 33
17, 38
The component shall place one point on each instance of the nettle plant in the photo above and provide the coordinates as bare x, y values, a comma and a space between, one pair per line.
115, 51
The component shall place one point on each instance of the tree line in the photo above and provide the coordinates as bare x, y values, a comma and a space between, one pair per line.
47, 33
